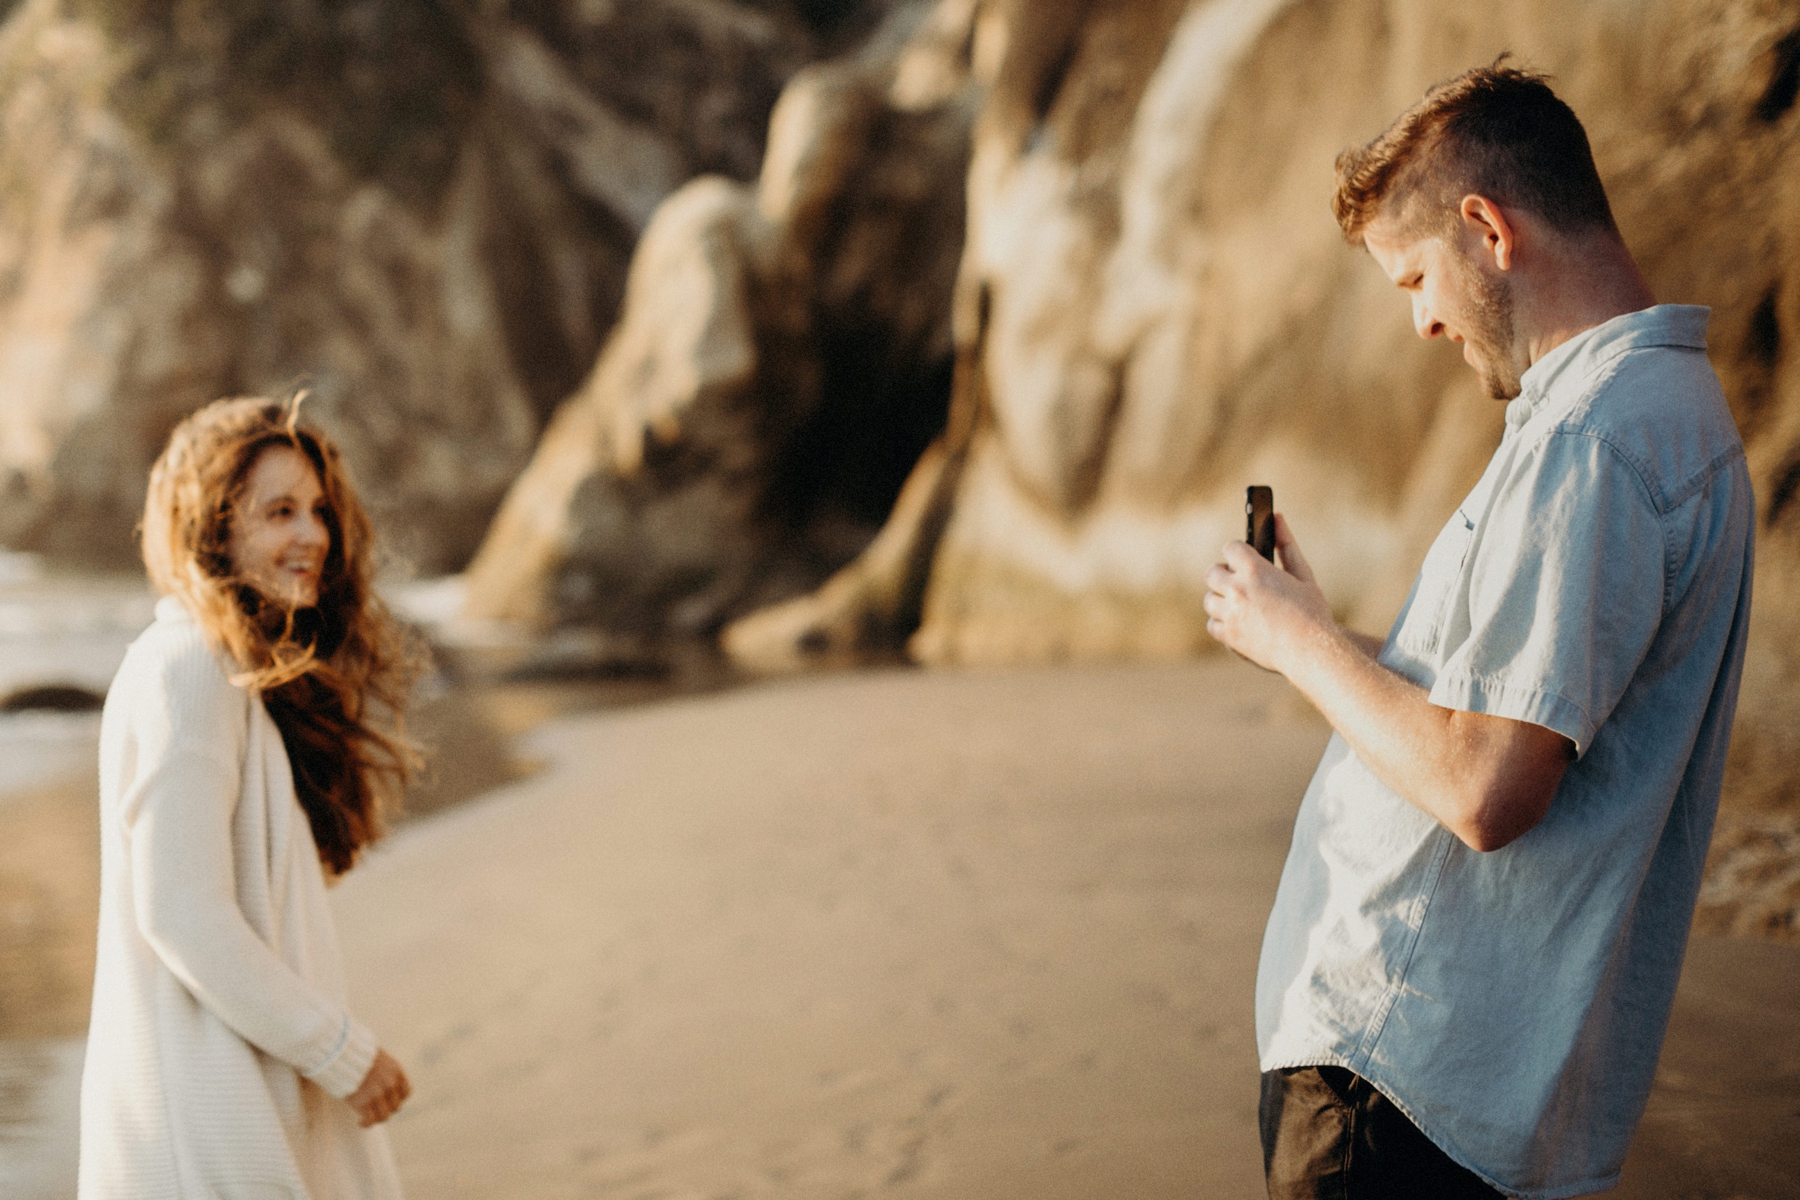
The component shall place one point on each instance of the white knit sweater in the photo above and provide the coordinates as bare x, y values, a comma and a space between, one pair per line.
220, 1048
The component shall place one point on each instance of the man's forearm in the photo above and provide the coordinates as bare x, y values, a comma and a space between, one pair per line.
1486, 779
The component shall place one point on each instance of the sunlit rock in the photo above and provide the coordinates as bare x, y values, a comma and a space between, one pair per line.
782, 359
422, 213
1155, 309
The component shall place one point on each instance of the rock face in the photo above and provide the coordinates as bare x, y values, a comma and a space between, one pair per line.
1155, 308
422, 212
782, 360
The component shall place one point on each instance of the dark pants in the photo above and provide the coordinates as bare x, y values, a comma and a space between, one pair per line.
1327, 1134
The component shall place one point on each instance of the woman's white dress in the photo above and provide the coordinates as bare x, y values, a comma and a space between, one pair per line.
220, 1048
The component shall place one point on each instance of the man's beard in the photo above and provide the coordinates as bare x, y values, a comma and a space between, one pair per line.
1490, 333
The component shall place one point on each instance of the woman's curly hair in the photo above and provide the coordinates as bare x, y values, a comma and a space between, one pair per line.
335, 677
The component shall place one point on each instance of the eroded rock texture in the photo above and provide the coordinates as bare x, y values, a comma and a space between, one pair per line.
422, 211
1155, 309
782, 360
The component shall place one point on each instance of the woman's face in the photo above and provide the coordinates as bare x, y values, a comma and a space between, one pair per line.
279, 538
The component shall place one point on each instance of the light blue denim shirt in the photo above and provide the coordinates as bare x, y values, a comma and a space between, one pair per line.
1596, 582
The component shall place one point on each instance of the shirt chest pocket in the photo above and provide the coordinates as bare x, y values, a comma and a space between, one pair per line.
1438, 586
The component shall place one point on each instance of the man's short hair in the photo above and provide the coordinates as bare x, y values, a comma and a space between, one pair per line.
1496, 131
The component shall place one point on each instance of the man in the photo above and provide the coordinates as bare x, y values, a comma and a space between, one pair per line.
1469, 968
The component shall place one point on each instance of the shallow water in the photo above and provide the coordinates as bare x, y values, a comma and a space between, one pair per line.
66, 628
59, 629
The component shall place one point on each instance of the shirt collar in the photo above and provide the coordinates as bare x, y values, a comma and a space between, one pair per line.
1663, 325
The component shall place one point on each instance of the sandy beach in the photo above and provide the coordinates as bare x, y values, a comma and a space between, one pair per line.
934, 935
971, 935
975, 935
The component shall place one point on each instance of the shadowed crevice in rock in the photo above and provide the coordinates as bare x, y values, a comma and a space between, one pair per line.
1786, 485
1784, 80
1759, 361
1050, 80
885, 249
1764, 345
869, 609
781, 362
846, 463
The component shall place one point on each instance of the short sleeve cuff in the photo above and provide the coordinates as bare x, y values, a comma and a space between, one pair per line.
1497, 698
345, 1070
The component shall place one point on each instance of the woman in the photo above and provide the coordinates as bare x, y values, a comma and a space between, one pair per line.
240, 761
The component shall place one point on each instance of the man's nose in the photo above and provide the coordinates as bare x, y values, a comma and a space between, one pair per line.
1427, 325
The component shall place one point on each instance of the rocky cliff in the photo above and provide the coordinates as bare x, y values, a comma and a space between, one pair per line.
1155, 308
1084, 246
782, 360
423, 212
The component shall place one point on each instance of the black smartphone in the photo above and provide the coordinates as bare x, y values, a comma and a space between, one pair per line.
1259, 513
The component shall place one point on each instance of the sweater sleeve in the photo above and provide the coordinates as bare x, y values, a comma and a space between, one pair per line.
191, 727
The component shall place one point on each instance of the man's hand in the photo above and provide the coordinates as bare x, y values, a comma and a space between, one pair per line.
384, 1089
1487, 779
1260, 610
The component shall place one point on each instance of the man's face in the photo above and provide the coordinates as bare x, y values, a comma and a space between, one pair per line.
1455, 294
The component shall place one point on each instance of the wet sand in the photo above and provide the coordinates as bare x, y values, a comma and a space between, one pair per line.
970, 935
49, 904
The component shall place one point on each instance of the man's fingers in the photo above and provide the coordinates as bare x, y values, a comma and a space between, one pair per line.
1239, 556
1292, 561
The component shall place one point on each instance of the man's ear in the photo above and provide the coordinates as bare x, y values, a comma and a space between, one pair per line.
1484, 220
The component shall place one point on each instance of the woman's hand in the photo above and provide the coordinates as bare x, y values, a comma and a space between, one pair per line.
384, 1089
